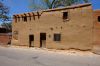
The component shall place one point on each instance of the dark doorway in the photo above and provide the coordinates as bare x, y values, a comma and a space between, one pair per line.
31, 40
43, 40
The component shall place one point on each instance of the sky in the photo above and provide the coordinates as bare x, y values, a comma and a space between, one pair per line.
21, 6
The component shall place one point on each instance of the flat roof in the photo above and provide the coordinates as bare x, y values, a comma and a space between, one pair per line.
68, 7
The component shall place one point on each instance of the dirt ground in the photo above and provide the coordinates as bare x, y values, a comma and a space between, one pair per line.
23, 56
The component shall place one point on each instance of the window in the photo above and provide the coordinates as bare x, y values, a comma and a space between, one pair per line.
57, 37
98, 18
25, 18
65, 15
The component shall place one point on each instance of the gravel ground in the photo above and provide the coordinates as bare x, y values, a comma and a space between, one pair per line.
16, 56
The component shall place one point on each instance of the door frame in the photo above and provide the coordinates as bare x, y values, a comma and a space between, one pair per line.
31, 38
42, 39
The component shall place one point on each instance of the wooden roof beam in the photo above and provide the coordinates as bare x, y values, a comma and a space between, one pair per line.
33, 15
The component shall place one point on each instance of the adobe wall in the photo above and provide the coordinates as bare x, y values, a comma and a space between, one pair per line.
4, 39
96, 27
76, 32
96, 44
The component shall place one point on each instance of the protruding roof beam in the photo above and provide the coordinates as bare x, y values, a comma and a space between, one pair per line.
33, 15
38, 14
29, 15
25, 14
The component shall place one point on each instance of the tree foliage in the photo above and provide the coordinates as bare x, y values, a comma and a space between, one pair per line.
72, 2
49, 4
4, 10
7, 25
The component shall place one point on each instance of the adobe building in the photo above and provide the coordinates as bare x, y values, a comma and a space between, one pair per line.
96, 44
61, 28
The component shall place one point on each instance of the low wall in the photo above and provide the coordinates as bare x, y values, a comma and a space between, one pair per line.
4, 39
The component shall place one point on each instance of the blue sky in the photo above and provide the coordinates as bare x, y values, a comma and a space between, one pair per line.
21, 6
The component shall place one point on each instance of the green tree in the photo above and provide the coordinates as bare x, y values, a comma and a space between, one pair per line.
4, 10
49, 4
71, 2
86, 1
45, 4
7, 25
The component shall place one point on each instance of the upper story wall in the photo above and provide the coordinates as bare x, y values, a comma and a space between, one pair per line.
72, 14
96, 27
97, 19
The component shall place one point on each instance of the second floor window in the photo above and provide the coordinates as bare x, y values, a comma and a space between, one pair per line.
65, 15
98, 18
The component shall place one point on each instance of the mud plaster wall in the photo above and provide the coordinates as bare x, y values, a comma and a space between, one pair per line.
76, 32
